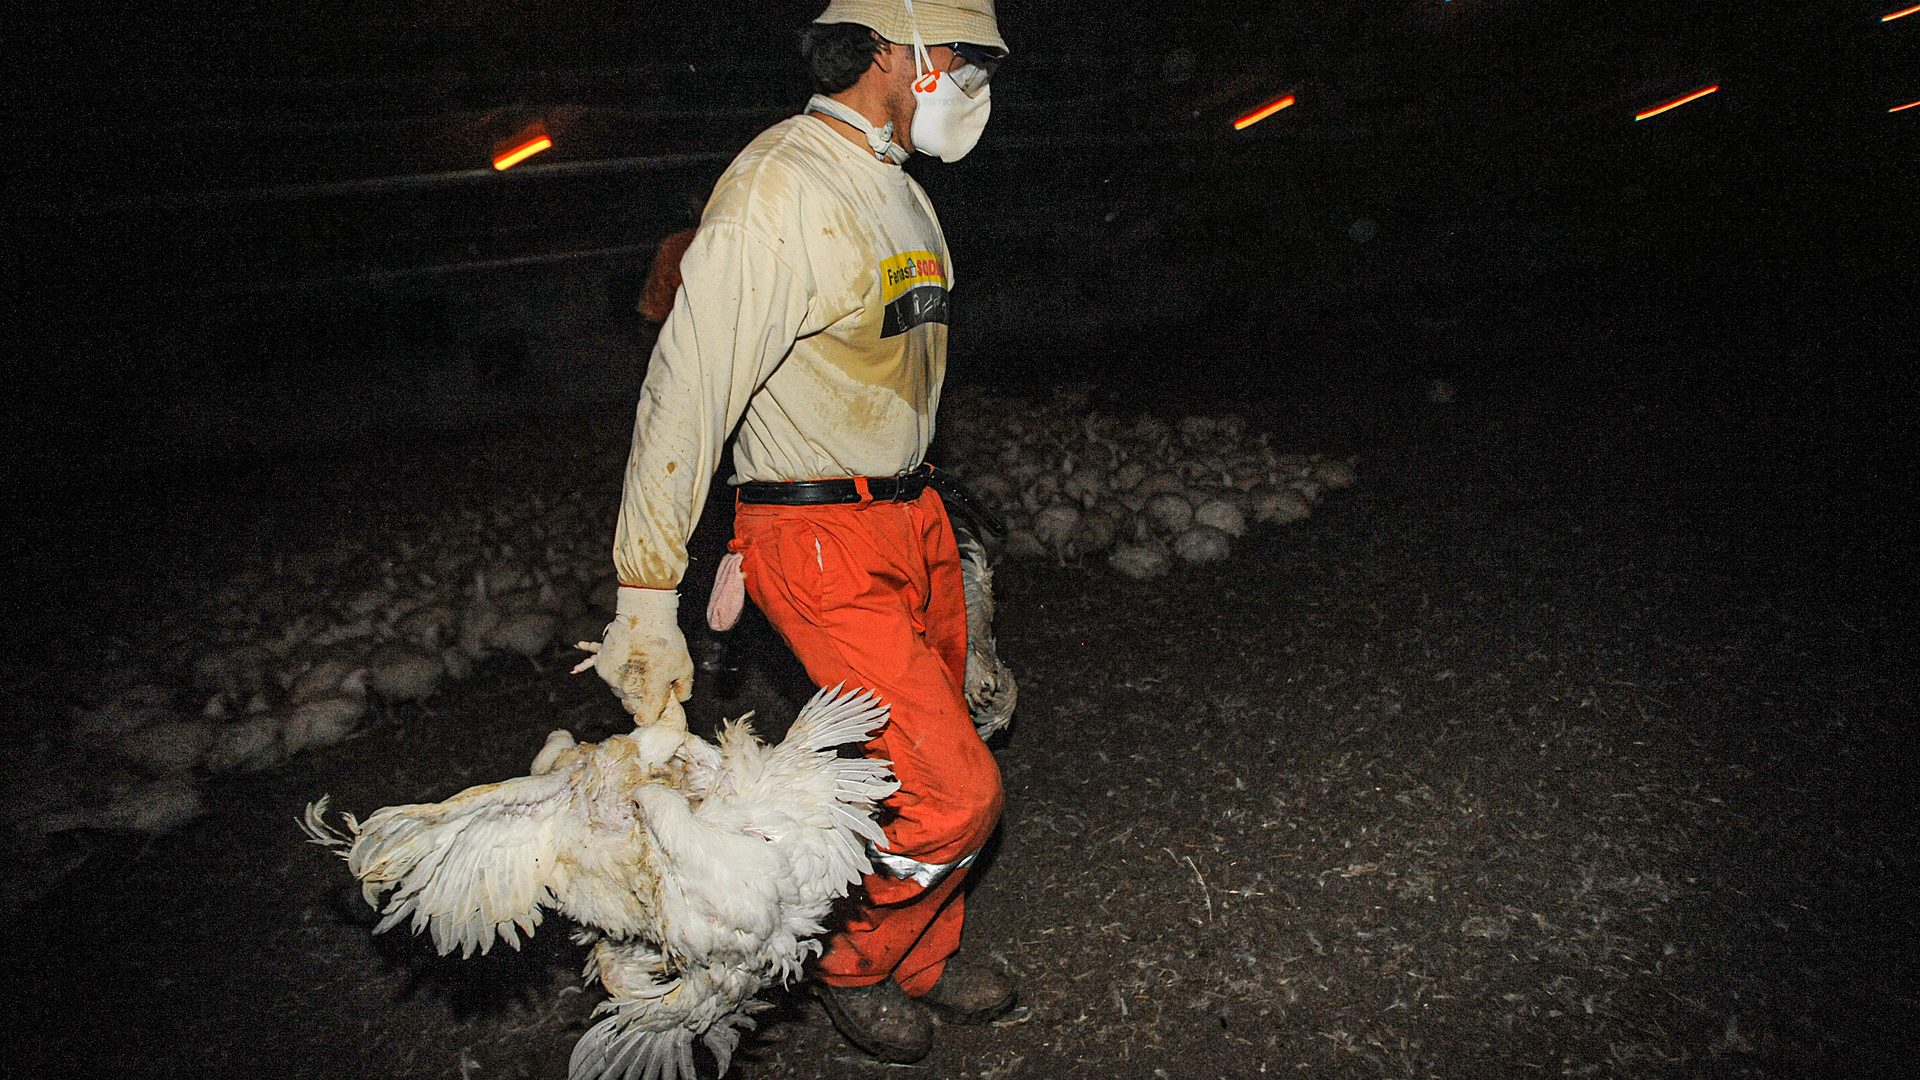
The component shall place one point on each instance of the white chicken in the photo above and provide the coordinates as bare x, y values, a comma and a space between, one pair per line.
989, 686
699, 872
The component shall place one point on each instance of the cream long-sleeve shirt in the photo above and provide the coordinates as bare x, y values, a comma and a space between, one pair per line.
811, 314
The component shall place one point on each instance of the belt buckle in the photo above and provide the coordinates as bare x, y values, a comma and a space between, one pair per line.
900, 486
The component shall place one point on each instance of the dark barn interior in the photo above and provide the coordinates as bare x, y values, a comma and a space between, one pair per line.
1564, 742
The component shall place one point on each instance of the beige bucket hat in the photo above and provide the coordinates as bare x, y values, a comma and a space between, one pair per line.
970, 22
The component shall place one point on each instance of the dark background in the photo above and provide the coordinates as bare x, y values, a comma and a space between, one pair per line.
243, 240
1619, 628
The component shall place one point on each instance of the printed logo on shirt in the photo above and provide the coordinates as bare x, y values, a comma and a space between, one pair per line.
913, 286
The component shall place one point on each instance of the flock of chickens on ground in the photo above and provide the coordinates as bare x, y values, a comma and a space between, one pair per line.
698, 872
1142, 493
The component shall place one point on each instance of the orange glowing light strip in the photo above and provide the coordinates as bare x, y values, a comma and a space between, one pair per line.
1262, 113
1892, 15
522, 152
1676, 103
1904, 108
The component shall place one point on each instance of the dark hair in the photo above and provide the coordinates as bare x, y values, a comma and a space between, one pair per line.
837, 54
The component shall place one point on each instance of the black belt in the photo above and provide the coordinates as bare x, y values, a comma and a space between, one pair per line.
903, 488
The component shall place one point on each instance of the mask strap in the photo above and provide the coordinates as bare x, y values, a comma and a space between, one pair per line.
879, 139
922, 60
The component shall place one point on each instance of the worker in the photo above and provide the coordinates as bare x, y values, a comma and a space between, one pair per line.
663, 277
663, 274
812, 315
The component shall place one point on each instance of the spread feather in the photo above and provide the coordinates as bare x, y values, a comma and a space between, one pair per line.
702, 871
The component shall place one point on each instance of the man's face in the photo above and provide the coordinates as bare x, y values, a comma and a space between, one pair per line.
941, 55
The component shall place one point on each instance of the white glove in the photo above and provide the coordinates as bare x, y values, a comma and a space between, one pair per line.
643, 656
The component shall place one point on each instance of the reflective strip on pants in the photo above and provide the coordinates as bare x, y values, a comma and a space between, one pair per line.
923, 874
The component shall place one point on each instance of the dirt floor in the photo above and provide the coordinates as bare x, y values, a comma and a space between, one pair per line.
1554, 748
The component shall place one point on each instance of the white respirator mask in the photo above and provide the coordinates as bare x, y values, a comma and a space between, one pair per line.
950, 107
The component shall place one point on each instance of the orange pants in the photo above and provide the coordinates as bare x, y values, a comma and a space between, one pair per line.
869, 594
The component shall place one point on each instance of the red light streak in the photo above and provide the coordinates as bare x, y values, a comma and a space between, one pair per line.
1676, 103
1262, 113
1892, 15
1904, 108
522, 152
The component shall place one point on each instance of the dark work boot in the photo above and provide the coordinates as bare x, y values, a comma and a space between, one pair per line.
880, 1019
969, 993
